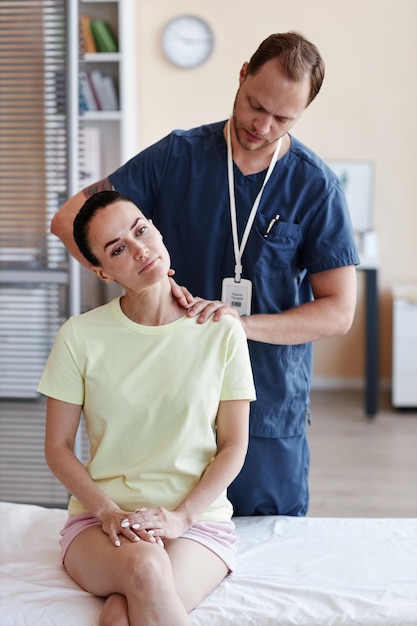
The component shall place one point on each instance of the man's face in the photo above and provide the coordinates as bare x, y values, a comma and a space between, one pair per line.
267, 105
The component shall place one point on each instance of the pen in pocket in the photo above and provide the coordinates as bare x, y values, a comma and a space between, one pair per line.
271, 225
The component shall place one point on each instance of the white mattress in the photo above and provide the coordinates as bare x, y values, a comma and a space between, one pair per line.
290, 571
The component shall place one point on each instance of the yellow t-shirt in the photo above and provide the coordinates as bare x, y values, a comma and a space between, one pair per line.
150, 396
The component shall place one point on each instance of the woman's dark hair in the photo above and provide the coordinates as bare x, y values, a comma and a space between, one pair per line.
298, 57
90, 208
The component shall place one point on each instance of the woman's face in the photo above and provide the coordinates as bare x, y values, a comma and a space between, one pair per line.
128, 246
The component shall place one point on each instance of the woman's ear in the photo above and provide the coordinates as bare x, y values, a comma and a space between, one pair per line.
98, 271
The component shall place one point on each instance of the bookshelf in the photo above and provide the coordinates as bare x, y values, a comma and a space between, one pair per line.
106, 136
99, 141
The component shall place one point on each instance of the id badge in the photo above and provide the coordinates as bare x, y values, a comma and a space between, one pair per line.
237, 295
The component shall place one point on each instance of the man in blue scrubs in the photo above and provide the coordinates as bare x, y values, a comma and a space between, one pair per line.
254, 218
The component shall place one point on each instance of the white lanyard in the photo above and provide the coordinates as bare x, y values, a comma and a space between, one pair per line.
239, 251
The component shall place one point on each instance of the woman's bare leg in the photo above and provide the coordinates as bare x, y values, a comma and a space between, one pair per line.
144, 583
197, 570
114, 611
139, 571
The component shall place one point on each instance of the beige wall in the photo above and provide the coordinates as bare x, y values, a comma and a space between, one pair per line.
367, 109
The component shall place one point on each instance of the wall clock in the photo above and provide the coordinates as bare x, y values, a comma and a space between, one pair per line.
187, 41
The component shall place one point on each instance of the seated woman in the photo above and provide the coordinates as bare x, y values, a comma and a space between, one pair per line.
166, 407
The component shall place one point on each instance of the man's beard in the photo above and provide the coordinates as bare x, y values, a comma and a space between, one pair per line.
246, 144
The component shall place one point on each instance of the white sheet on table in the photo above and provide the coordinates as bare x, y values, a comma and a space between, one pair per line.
290, 572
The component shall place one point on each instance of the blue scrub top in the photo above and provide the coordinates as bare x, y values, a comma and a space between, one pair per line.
181, 184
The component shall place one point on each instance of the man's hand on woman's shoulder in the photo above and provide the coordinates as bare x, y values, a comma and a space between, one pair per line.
199, 307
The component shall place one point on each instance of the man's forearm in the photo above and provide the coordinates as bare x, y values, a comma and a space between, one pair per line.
308, 322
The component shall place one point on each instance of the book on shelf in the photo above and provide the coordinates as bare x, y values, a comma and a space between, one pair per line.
87, 98
86, 36
82, 102
109, 94
94, 78
103, 35
97, 92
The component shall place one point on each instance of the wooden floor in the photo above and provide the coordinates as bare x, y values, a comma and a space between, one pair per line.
361, 467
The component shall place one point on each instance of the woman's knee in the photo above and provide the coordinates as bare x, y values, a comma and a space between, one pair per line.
147, 570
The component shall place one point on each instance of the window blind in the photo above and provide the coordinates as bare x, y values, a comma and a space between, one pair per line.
33, 130
33, 263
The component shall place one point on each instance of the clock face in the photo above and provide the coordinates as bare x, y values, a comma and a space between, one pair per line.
187, 41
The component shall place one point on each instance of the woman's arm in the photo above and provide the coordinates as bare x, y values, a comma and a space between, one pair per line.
232, 443
62, 421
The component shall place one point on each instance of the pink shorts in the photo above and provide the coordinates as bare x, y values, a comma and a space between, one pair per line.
219, 537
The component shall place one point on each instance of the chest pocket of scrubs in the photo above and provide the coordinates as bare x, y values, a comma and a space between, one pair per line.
279, 252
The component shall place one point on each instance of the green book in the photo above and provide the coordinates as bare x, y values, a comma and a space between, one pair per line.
103, 36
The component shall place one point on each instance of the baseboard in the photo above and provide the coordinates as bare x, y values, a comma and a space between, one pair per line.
332, 383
